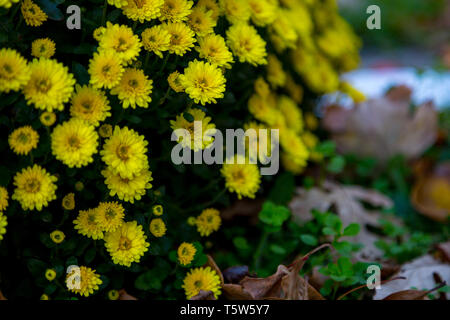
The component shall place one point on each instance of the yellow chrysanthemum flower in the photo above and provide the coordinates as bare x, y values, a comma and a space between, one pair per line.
118, 3
212, 6
105, 69
203, 82
263, 12
292, 114
264, 108
294, 90
186, 253
157, 210
3, 199
44, 48
208, 222
23, 140
110, 215
7, 3
212, 47
113, 295
176, 10
236, 11
50, 274
33, 14
44, 297
157, 227
247, 44
201, 21
74, 142
258, 146
174, 82
68, 202
204, 279
86, 224
261, 87
241, 177
50, 85
128, 189
79, 186
311, 121
275, 73
35, 188
311, 141
84, 283
3, 225
125, 152
182, 38
120, 39
105, 130
134, 89
57, 236
98, 33
143, 10
293, 145
14, 71
47, 118
189, 137
90, 104
127, 244
156, 39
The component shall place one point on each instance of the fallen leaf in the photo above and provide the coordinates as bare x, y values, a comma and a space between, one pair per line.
123, 295
419, 275
204, 295
212, 264
347, 201
384, 127
2, 297
431, 192
285, 284
412, 294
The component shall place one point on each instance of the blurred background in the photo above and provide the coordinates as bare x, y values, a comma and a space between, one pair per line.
412, 48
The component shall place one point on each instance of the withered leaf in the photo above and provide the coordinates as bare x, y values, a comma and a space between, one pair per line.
383, 127
418, 274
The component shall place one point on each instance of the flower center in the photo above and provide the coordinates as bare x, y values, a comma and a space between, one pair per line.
43, 85
23, 138
124, 243
32, 185
122, 152
74, 142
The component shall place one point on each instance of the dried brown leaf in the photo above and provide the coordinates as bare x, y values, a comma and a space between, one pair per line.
418, 274
383, 127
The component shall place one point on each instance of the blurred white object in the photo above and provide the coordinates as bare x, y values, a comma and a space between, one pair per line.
428, 85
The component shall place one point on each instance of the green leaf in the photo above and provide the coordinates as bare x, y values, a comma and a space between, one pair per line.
277, 249
327, 148
351, 230
336, 164
328, 231
274, 215
309, 239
